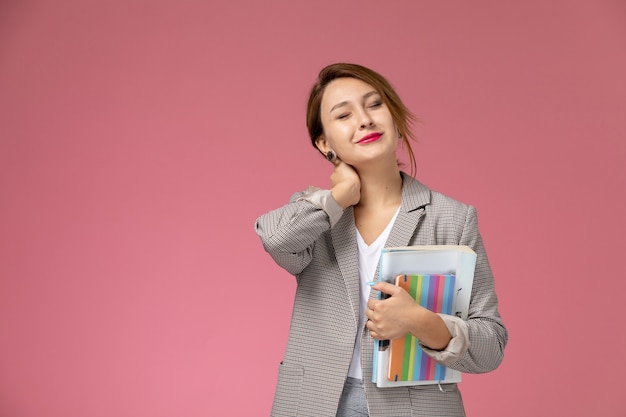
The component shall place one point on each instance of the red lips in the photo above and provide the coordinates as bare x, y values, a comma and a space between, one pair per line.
372, 137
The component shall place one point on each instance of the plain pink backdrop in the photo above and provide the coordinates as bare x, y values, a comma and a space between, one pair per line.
139, 141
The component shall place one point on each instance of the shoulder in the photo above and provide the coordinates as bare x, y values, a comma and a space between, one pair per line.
445, 203
416, 195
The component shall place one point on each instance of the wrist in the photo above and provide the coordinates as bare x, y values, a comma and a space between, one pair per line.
325, 200
345, 195
430, 329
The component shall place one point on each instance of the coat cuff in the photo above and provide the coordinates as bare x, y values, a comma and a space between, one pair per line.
323, 199
458, 345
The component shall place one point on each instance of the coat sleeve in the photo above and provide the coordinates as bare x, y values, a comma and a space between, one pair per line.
487, 334
289, 233
477, 344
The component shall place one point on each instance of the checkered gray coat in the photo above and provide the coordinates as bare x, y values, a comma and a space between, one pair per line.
324, 322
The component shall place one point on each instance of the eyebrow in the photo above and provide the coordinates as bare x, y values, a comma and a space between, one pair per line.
343, 103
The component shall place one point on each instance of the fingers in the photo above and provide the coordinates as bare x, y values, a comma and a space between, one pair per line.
373, 331
387, 288
343, 170
392, 317
379, 329
346, 189
369, 311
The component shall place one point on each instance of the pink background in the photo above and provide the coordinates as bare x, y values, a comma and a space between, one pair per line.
141, 139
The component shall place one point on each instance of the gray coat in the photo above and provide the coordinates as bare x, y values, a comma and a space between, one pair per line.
325, 316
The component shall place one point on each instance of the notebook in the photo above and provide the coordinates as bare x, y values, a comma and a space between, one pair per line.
407, 361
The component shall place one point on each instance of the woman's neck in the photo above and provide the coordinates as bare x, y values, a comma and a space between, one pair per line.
380, 187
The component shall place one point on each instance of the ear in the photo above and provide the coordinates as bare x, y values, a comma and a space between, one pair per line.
322, 144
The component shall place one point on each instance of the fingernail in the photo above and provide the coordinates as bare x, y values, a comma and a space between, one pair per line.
371, 283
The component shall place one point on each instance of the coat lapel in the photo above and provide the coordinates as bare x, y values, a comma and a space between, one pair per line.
414, 197
343, 235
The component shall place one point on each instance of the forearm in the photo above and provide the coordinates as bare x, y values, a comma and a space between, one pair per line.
485, 333
430, 329
488, 340
289, 233
478, 341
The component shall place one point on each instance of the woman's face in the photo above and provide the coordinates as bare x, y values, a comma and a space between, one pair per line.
357, 123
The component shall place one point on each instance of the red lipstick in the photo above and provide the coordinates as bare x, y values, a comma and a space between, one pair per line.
372, 137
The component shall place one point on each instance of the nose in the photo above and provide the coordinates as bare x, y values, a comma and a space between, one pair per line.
366, 120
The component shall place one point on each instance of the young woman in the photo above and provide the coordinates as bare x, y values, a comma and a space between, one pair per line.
331, 240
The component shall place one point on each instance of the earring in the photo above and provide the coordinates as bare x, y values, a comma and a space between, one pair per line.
331, 155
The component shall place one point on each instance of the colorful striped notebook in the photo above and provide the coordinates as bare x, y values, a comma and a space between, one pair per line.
407, 361
459, 262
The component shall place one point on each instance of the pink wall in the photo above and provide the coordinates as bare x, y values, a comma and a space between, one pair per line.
139, 140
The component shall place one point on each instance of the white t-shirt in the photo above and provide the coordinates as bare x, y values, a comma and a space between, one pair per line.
368, 261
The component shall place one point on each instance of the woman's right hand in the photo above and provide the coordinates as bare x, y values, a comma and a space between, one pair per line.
346, 184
